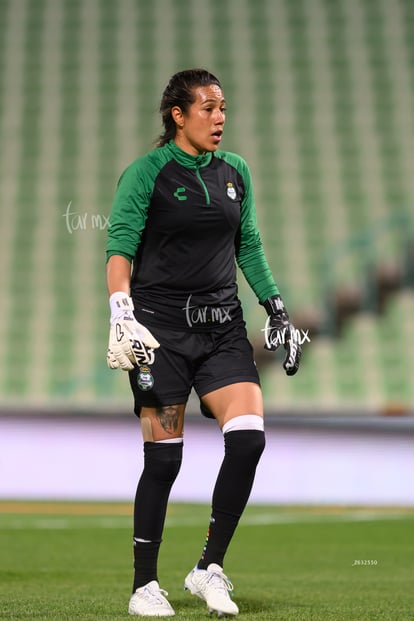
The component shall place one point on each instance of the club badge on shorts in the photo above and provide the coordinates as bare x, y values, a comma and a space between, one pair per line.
145, 380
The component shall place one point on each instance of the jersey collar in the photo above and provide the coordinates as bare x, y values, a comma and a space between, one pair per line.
187, 160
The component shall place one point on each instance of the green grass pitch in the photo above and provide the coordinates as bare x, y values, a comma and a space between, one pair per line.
74, 562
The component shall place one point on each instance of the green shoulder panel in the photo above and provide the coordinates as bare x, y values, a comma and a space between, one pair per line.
131, 202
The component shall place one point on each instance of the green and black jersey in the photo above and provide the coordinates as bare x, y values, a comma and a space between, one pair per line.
184, 221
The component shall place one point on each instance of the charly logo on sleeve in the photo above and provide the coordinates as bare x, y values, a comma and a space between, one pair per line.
145, 379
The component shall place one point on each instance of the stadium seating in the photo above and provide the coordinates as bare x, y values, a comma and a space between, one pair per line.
321, 98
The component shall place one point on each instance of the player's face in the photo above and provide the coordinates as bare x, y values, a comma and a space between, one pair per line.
201, 128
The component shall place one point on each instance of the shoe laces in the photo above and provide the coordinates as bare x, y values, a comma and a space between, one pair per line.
152, 592
218, 580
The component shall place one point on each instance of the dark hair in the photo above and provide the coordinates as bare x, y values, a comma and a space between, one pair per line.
179, 92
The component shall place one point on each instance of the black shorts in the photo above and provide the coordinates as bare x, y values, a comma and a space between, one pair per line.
204, 361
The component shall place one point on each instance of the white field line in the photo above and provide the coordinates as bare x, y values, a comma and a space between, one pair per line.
13, 522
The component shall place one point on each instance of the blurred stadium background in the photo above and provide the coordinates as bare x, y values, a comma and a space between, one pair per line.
321, 105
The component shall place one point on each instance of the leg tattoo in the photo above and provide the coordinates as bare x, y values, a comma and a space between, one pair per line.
168, 415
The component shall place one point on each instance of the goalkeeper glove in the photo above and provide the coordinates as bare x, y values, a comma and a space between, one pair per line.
130, 343
279, 331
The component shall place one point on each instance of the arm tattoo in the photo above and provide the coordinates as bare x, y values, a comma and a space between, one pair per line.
168, 416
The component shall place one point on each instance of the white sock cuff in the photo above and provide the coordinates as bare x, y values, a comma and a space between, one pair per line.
244, 422
170, 441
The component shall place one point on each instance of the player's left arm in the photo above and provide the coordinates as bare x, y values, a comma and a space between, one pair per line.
252, 261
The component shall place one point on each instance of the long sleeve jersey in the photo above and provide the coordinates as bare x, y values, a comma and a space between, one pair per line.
185, 222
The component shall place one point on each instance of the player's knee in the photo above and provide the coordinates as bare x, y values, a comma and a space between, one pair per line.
246, 445
162, 462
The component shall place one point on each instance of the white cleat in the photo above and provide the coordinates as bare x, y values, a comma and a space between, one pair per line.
149, 601
213, 586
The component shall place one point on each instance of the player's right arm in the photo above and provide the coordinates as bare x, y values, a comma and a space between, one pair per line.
130, 343
118, 274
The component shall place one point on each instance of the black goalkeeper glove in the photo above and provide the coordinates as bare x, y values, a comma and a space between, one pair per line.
279, 331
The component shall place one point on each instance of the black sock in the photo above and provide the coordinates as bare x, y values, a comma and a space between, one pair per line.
145, 562
231, 492
219, 535
161, 466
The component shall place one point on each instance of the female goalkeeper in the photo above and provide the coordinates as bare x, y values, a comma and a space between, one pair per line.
183, 217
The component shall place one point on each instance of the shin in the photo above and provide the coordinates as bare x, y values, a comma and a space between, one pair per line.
162, 463
244, 442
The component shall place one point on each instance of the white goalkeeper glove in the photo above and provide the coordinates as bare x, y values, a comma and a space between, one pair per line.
130, 343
